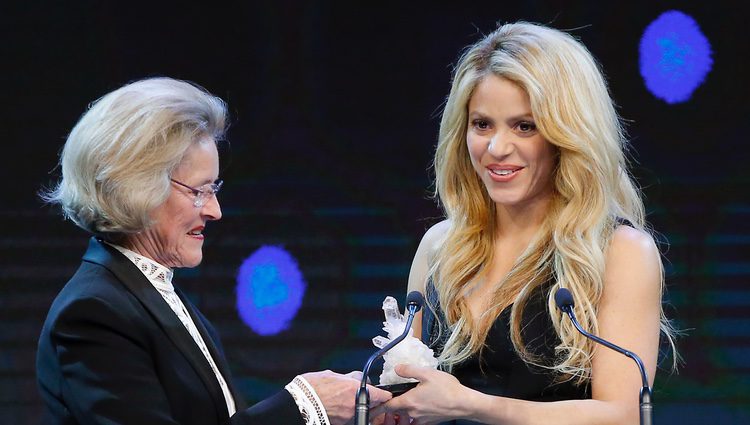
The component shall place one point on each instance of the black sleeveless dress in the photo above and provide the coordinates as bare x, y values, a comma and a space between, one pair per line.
500, 371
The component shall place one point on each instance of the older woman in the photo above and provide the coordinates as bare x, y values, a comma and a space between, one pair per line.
121, 344
531, 173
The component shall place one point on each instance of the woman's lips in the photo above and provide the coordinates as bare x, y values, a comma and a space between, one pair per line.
503, 173
196, 233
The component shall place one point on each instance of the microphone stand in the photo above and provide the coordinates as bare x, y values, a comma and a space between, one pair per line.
362, 407
647, 408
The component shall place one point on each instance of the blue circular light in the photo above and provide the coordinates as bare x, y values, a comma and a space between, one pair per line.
675, 57
270, 289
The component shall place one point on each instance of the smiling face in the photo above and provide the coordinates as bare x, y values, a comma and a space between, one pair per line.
176, 238
513, 160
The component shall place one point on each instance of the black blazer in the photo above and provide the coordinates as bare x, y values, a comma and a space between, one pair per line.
112, 351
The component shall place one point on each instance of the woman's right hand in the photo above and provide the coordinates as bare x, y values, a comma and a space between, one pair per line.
438, 397
338, 392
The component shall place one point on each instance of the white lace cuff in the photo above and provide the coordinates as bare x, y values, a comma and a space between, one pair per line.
307, 400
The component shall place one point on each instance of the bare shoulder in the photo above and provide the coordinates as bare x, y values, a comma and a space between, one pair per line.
628, 313
633, 260
630, 242
426, 252
434, 236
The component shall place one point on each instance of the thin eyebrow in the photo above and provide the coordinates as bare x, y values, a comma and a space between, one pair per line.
480, 116
207, 181
521, 117
202, 189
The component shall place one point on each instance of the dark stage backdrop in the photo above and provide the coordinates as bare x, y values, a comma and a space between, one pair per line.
335, 111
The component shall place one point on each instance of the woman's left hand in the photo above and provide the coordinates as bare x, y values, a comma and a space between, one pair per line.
438, 397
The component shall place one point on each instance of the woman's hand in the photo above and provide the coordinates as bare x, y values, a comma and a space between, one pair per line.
438, 397
337, 393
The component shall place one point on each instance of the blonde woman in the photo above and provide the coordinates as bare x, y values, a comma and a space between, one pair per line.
531, 173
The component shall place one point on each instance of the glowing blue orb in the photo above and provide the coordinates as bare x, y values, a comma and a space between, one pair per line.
675, 57
270, 288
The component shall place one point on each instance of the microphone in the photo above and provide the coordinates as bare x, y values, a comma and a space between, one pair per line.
414, 303
564, 301
415, 300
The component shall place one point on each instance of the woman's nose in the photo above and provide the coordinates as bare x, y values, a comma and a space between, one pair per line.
212, 209
499, 145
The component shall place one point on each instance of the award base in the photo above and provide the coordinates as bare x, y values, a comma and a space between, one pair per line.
398, 389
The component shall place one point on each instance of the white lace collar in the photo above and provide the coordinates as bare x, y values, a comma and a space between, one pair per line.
158, 275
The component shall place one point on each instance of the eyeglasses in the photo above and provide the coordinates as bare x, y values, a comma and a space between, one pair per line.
204, 193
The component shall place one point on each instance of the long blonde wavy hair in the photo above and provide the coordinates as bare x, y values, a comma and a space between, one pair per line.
592, 190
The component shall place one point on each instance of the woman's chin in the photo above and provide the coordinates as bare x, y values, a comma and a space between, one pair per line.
188, 261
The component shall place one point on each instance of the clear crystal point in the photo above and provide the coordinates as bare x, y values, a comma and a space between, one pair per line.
410, 351
380, 341
390, 308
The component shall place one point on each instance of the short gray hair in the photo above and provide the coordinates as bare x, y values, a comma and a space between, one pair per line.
118, 159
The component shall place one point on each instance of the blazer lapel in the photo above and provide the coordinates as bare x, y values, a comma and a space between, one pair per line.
218, 357
136, 282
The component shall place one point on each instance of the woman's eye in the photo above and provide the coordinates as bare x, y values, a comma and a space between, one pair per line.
480, 124
526, 126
